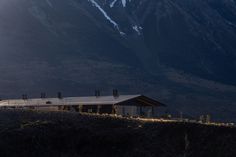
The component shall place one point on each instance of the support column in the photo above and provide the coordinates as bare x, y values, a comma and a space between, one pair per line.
98, 109
80, 108
152, 111
113, 109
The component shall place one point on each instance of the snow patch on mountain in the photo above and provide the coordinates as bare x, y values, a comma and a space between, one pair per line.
113, 3
107, 16
138, 29
123, 3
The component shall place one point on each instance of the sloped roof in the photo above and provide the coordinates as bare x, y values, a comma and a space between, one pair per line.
90, 100
105, 100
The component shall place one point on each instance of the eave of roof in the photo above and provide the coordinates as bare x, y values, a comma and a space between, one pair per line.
91, 100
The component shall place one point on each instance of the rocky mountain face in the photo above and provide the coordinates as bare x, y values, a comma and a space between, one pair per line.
180, 52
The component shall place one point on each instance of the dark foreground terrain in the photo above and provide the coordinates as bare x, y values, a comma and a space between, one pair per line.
26, 133
182, 52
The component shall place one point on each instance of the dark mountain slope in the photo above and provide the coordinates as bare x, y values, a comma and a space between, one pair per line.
196, 34
181, 52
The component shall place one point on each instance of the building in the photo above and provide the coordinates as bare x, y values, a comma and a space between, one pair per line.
124, 105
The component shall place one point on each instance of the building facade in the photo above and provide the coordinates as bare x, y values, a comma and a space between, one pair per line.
124, 105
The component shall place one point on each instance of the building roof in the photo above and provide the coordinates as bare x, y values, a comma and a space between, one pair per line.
90, 100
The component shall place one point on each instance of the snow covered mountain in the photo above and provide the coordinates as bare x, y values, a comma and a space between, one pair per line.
199, 34
181, 52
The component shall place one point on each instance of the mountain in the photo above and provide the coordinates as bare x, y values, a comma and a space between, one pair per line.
180, 52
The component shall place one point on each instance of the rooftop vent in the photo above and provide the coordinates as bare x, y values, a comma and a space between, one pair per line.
97, 93
115, 93
43, 95
24, 97
59, 95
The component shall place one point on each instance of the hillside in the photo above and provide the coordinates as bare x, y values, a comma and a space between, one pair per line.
180, 52
25, 133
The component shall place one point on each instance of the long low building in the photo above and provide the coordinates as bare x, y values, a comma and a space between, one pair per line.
125, 105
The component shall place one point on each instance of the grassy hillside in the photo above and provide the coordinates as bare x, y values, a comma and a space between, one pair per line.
26, 133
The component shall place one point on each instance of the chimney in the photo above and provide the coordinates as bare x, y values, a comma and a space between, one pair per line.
115, 93
43, 95
24, 97
97, 93
59, 95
